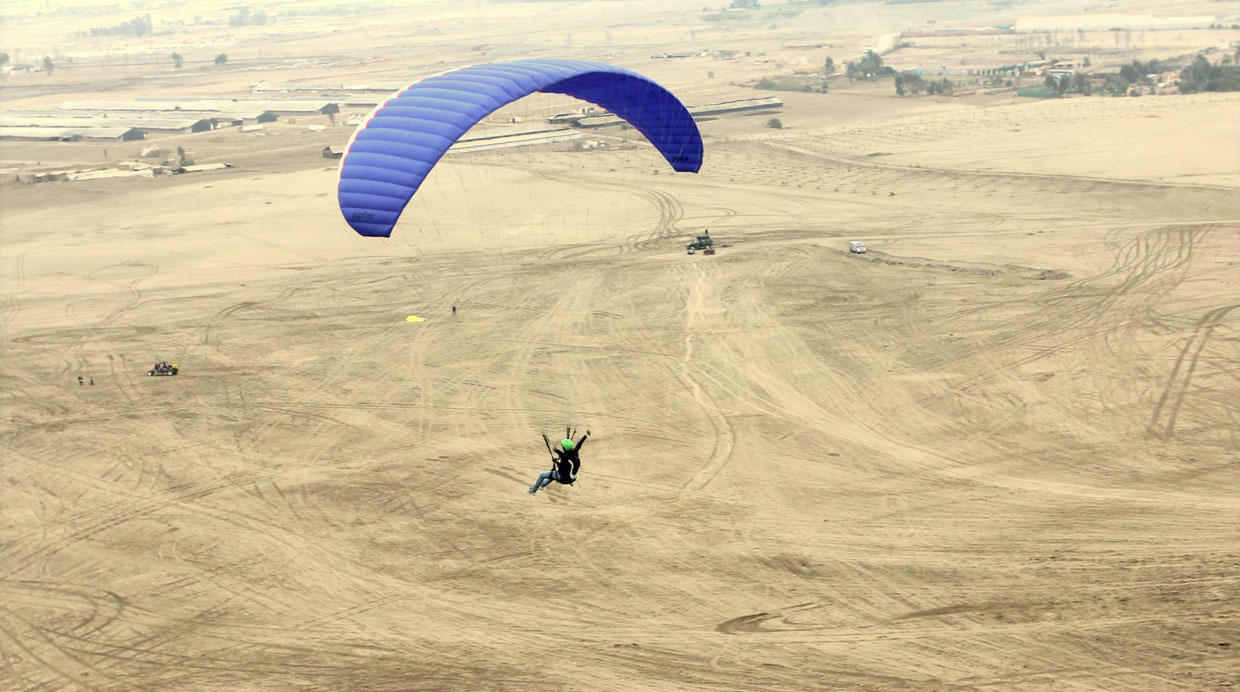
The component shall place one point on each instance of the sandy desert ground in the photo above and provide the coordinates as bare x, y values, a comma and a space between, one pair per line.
999, 452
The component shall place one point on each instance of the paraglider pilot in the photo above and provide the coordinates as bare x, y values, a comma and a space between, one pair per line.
565, 459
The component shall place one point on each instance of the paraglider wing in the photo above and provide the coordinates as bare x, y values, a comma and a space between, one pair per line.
394, 150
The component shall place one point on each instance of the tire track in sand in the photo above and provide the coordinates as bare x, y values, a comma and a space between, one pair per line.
1162, 422
722, 450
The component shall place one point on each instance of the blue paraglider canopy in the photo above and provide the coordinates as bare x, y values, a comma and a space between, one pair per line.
394, 150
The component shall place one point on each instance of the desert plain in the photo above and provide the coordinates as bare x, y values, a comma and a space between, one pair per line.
996, 452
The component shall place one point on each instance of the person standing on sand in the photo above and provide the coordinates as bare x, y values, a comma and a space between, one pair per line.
454, 311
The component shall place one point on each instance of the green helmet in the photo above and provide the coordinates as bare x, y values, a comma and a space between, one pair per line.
567, 445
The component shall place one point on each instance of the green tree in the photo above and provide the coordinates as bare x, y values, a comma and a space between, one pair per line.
910, 85
1087, 62
47, 64
183, 158
221, 59
1138, 70
138, 26
1115, 85
177, 60
868, 67
1080, 83
828, 66
775, 124
941, 86
1202, 76
1195, 76
4, 58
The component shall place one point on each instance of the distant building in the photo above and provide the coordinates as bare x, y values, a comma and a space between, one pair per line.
72, 134
37, 134
181, 125
1024, 69
101, 173
520, 139
263, 87
593, 119
736, 106
47, 177
1110, 21
1166, 82
201, 167
941, 71
333, 152
1167, 78
258, 107
597, 120
221, 118
277, 106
